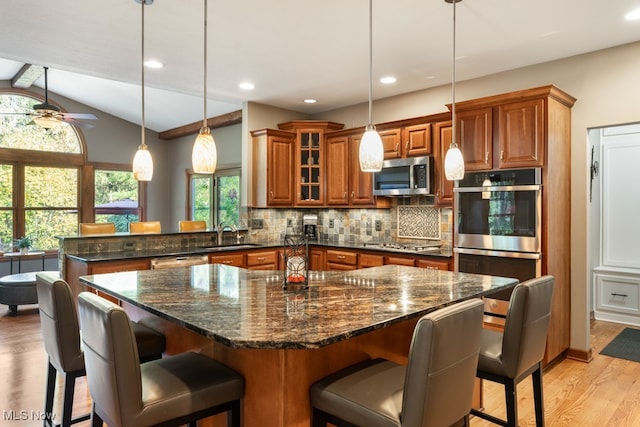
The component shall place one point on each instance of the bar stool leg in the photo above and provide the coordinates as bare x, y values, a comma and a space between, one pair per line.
50, 392
537, 396
69, 388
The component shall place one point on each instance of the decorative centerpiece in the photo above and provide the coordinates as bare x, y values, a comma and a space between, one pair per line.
296, 260
24, 244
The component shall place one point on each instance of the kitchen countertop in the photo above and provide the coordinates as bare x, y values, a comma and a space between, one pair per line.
249, 309
168, 252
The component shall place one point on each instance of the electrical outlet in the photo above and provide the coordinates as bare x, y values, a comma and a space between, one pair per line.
256, 224
289, 222
378, 225
331, 223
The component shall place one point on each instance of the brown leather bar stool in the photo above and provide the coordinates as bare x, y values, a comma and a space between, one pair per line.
184, 226
435, 388
509, 357
171, 391
61, 333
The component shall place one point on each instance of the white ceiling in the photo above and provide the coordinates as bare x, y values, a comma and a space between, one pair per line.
290, 49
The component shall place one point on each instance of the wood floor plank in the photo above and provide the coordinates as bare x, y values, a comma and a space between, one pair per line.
604, 392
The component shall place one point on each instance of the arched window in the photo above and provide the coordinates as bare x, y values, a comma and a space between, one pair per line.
40, 172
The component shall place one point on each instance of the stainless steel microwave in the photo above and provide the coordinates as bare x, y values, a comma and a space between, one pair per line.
404, 177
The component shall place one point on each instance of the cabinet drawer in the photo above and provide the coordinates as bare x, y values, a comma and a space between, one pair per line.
237, 260
262, 258
618, 293
342, 257
399, 260
432, 264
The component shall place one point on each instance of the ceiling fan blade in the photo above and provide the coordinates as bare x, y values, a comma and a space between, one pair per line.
83, 116
77, 123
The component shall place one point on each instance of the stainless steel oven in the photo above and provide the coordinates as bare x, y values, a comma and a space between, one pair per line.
498, 223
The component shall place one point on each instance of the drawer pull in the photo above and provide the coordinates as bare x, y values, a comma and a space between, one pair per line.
613, 294
261, 259
340, 257
226, 262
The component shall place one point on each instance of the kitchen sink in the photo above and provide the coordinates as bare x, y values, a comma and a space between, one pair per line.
231, 247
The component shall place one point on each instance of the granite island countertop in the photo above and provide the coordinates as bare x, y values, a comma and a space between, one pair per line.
250, 309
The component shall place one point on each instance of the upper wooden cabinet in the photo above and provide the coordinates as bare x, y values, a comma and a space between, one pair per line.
346, 184
407, 141
310, 162
273, 167
442, 187
511, 130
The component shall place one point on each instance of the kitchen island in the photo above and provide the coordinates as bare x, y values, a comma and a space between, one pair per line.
282, 340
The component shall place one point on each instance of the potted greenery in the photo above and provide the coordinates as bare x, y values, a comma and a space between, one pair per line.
24, 244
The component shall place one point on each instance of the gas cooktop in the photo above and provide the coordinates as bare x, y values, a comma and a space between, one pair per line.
405, 247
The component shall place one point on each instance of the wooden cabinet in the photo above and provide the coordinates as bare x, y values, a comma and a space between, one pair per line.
433, 264
408, 141
310, 162
236, 259
475, 138
366, 260
346, 184
443, 188
273, 168
521, 134
341, 259
262, 260
317, 259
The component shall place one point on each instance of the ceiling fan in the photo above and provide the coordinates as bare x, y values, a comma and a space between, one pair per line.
49, 116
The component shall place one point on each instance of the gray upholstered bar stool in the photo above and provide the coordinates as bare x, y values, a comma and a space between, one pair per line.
171, 391
61, 333
435, 389
509, 357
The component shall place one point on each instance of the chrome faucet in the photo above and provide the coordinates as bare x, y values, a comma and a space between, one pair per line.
221, 228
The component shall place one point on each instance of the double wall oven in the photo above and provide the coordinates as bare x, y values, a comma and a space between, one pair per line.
498, 223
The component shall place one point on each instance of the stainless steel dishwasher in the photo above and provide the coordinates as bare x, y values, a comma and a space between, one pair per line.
178, 261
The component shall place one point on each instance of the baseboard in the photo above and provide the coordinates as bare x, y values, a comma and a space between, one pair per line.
580, 355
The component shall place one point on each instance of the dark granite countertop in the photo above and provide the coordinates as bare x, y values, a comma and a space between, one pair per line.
167, 252
250, 309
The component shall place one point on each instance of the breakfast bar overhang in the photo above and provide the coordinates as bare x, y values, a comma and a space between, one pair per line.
283, 340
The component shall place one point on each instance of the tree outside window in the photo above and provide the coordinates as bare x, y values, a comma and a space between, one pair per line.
216, 198
116, 198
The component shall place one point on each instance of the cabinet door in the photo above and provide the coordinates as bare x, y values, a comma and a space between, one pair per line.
337, 149
280, 171
443, 188
417, 140
310, 161
370, 260
399, 260
360, 183
316, 259
262, 260
341, 260
475, 138
392, 143
115, 266
521, 134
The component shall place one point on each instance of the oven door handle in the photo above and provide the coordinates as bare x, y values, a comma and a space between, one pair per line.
505, 254
532, 187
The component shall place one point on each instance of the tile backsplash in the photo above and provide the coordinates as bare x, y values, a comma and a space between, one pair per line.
407, 221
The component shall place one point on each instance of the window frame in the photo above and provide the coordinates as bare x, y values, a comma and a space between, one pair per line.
230, 170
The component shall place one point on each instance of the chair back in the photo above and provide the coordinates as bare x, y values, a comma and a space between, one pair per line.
441, 369
526, 326
111, 359
59, 322
192, 226
96, 228
145, 227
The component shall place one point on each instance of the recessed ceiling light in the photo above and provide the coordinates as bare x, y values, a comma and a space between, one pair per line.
310, 101
247, 86
633, 15
152, 63
387, 80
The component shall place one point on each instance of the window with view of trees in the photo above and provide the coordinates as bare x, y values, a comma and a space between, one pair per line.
216, 198
116, 198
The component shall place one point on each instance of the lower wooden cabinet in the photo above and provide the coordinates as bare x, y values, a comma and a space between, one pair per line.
400, 260
341, 260
262, 260
433, 264
236, 259
366, 260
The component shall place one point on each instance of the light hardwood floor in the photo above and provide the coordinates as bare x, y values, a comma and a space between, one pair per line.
605, 392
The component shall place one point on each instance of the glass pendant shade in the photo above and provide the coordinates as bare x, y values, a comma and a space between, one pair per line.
204, 156
143, 164
371, 154
46, 122
454, 163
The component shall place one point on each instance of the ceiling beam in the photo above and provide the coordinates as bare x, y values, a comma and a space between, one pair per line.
228, 119
25, 77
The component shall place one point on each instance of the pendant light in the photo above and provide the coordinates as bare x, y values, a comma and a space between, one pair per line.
453, 161
142, 161
371, 152
204, 155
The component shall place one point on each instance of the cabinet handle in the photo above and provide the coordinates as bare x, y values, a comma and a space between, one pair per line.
501, 154
619, 295
486, 157
226, 262
261, 259
398, 148
271, 193
353, 194
437, 193
345, 195
406, 147
340, 256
